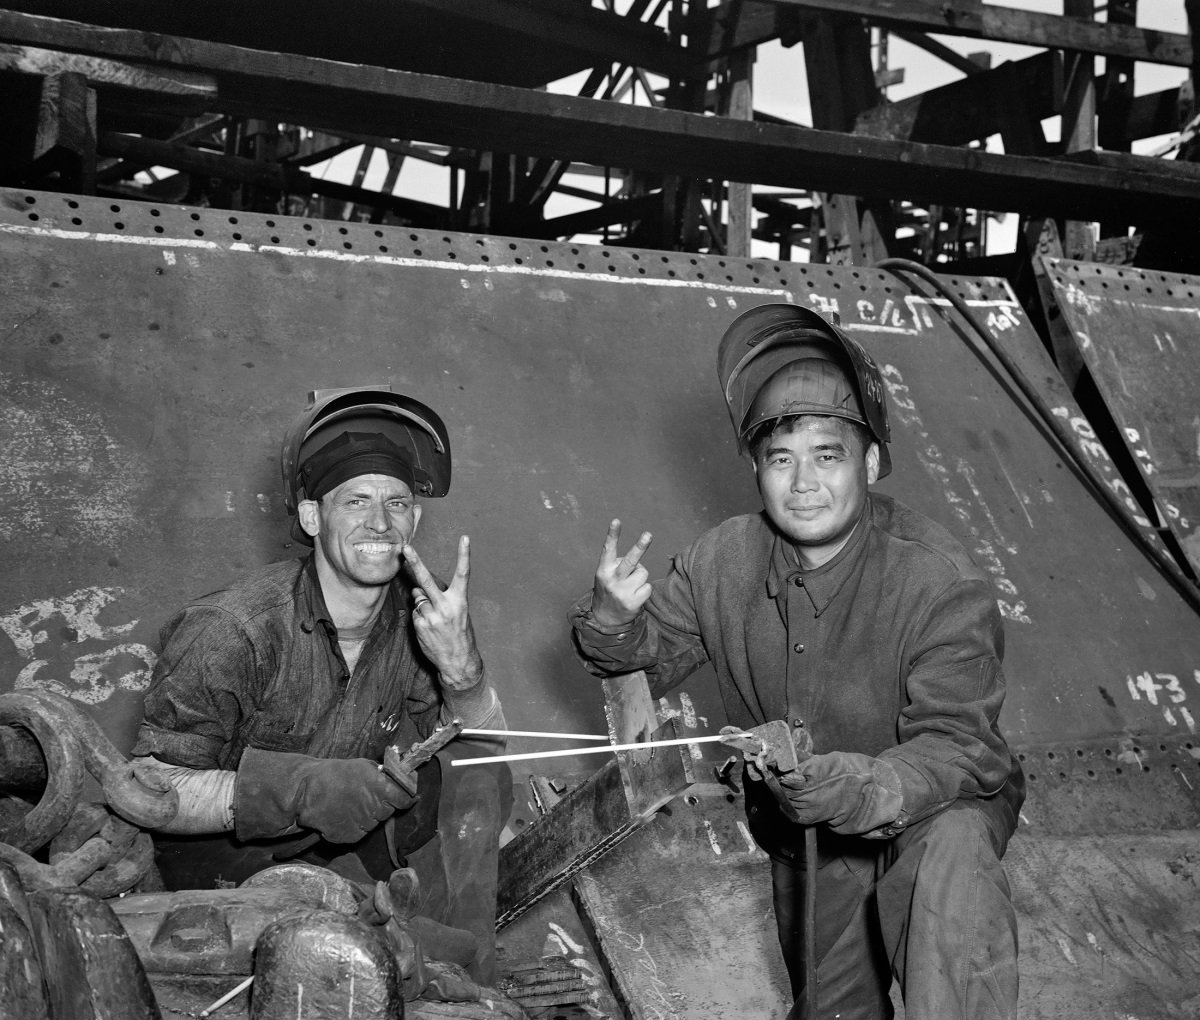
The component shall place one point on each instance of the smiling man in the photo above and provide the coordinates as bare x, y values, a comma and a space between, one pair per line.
274, 697
845, 610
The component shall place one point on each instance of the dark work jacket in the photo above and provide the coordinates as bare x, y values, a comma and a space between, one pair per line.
257, 664
893, 649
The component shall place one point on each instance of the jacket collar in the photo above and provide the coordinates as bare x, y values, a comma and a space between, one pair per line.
824, 582
312, 612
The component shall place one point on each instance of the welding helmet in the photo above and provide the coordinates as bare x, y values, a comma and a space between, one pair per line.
778, 360
363, 430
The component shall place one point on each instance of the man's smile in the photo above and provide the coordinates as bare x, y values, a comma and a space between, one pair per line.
375, 548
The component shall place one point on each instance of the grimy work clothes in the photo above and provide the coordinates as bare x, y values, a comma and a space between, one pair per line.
891, 649
258, 664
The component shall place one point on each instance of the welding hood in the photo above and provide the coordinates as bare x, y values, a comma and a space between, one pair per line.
764, 341
414, 429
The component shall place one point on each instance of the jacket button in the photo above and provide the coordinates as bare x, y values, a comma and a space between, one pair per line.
799, 582
797, 647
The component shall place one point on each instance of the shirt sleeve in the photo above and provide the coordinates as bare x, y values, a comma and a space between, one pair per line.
950, 745
200, 690
663, 640
479, 709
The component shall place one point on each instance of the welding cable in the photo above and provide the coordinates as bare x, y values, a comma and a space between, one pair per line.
1183, 584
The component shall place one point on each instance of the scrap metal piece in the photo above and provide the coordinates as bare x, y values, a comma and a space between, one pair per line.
324, 965
724, 773
552, 981
773, 745
612, 803
96, 973
401, 766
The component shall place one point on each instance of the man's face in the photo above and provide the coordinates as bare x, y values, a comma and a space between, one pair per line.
813, 480
360, 528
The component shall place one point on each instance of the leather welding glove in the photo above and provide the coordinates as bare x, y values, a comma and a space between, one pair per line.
851, 793
277, 793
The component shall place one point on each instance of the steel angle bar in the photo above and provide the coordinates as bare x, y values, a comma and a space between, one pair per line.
605, 809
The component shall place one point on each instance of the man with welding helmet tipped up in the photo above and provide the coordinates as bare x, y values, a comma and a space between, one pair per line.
275, 697
842, 609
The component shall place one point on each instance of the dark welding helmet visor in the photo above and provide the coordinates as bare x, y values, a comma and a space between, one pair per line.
364, 430
783, 356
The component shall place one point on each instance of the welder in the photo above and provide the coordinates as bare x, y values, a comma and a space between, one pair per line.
275, 697
839, 607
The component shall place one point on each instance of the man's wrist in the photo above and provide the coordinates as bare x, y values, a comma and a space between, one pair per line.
467, 678
605, 622
472, 706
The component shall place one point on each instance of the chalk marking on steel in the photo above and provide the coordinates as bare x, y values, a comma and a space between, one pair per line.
1011, 484
744, 829
167, 243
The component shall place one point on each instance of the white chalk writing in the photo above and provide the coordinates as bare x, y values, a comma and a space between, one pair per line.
1164, 691
48, 632
1087, 442
1012, 606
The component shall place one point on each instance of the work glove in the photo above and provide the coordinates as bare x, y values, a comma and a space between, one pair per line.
276, 794
851, 793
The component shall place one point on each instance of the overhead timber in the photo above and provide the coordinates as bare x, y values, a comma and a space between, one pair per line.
373, 100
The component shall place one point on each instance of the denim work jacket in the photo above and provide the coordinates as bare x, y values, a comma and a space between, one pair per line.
258, 664
891, 649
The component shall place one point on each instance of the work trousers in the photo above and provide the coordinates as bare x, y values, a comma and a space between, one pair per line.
450, 837
931, 907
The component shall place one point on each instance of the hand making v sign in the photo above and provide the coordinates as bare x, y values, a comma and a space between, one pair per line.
442, 620
622, 584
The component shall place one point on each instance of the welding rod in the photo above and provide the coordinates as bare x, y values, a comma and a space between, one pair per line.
232, 993
533, 733
564, 752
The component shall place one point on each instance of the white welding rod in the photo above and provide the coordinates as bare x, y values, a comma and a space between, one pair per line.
564, 752
534, 733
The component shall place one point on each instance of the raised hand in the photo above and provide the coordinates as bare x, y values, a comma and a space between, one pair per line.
622, 584
442, 620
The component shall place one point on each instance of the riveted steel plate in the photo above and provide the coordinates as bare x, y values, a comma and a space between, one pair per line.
153, 356
1139, 333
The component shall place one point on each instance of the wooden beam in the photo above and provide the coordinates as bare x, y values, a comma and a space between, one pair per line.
1153, 114
65, 138
589, 221
193, 135
740, 219
151, 152
974, 107
102, 74
1079, 126
738, 25
980, 20
332, 96
595, 34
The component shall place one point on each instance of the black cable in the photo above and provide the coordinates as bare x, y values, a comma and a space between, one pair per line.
1182, 583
